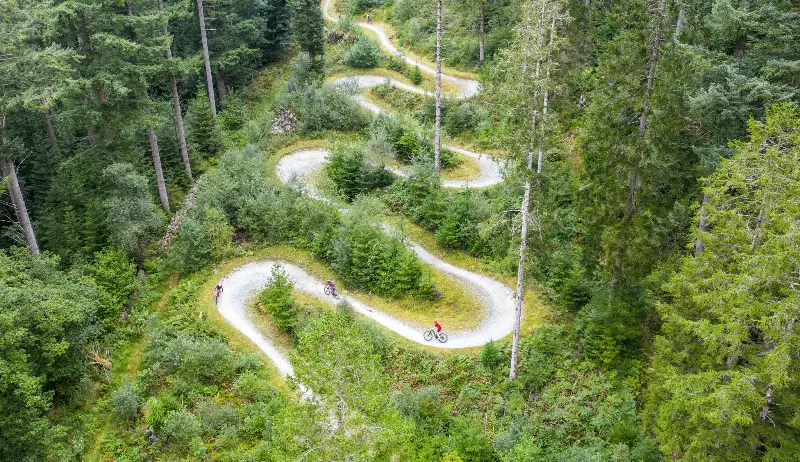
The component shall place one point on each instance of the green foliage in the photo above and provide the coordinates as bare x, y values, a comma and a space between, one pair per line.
352, 176
126, 404
356, 7
157, 408
303, 73
414, 22
204, 136
367, 258
277, 298
728, 339
115, 276
205, 237
308, 28
416, 76
364, 54
355, 397
181, 430
320, 107
458, 226
490, 356
130, 212
419, 196
406, 138
47, 320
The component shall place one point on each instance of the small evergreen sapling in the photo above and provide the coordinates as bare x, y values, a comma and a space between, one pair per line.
277, 298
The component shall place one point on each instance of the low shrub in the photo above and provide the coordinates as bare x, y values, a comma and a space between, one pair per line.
181, 429
396, 64
364, 54
416, 76
321, 107
126, 404
352, 176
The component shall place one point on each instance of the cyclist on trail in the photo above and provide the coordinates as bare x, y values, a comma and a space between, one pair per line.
438, 326
217, 291
331, 285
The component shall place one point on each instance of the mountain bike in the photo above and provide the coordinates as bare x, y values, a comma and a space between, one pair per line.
331, 291
431, 334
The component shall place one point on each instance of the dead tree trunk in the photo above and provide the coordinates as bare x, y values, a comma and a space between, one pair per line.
162, 186
519, 296
176, 107
17, 199
702, 226
51, 132
679, 25
546, 99
221, 88
482, 40
437, 160
646, 101
201, 17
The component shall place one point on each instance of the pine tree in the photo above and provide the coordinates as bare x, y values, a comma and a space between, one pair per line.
204, 135
277, 298
308, 26
723, 383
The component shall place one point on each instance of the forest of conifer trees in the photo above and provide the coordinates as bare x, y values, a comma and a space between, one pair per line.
597, 200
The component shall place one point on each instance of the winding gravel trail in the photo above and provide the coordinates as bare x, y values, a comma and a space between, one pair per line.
297, 169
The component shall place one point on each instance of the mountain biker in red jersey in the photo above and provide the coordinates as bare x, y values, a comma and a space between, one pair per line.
218, 289
438, 326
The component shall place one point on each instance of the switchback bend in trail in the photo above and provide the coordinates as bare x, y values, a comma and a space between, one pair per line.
496, 298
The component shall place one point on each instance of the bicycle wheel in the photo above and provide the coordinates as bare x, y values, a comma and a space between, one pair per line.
327, 290
442, 337
335, 294
428, 335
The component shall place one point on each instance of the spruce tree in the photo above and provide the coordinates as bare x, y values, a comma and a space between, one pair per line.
308, 26
723, 379
277, 298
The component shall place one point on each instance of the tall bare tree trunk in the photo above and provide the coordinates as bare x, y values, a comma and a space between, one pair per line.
545, 102
17, 199
176, 107
679, 25
702, 226
201, 17
221, 88
437, 160
482, 41
51, 132
162, 185
519, 296
651, 73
